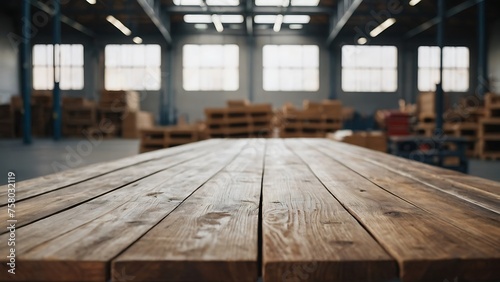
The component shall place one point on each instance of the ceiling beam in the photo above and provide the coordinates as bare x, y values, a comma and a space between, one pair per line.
72, 23
152, 9
257, 10
450, 13
345, 9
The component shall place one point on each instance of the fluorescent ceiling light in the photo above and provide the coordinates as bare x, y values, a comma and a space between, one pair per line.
265, 19
231, 19
209, 2
191, 18
305, 2
362, 41
92, 2
217, 23
288, 19
295, 26
277, 23
137, 40
414, 2
285, 3
296, 19
197, 19
383, 26
201, 26
119, 25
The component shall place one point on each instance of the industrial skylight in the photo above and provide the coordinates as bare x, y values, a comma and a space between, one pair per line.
287, 19
285, 3
209, 2
225, 19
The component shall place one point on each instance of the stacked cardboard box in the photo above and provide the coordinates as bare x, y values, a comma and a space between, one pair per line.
134, 122
114, 107
375, 140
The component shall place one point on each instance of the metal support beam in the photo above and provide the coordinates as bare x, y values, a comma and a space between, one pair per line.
238, 10
152, 9
345, 9
482, 72
251, 69
56, 92
72, 23
439, 87
450, 13
26, 71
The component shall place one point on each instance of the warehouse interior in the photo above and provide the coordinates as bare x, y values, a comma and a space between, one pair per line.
174, 61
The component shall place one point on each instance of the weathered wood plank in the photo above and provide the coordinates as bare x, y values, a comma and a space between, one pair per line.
307, 234
427, 247
482, 192
212, 236
52, 202
478, 221
64, 246
36, 186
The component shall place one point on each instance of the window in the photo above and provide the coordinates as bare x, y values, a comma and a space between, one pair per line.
210, 67
132, 67
71, 57
285, 3
291, 67
455, 68
369, 68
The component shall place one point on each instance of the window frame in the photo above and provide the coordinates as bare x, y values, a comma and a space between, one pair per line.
131, 65
201, 67
445, 68
48, 65
370, 68
303, 68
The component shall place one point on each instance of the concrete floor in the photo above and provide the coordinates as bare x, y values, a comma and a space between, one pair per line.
46, 156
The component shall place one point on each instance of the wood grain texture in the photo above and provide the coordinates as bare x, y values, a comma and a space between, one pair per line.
212, 236
36, 186
482, 192
427, 247
463, 214
44, 205
99, 230
307, 234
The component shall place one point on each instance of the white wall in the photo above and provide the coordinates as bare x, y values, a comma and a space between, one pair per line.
9, 61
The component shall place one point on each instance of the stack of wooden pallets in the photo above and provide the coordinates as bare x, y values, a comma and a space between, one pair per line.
41, 113
114, 106
489, 129
315, 120
78, 115
6, 121
156, 138
239, 121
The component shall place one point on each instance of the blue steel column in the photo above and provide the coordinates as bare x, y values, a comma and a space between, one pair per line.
171, 116
439, 88
56, 106
26, 72
332, 77
251, 50
482, 79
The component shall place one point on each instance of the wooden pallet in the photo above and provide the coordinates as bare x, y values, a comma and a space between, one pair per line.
119, 100
166, 137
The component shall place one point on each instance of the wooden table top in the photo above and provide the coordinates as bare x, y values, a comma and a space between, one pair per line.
235, 210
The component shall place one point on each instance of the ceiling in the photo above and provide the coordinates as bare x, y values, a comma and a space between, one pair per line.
365, 17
